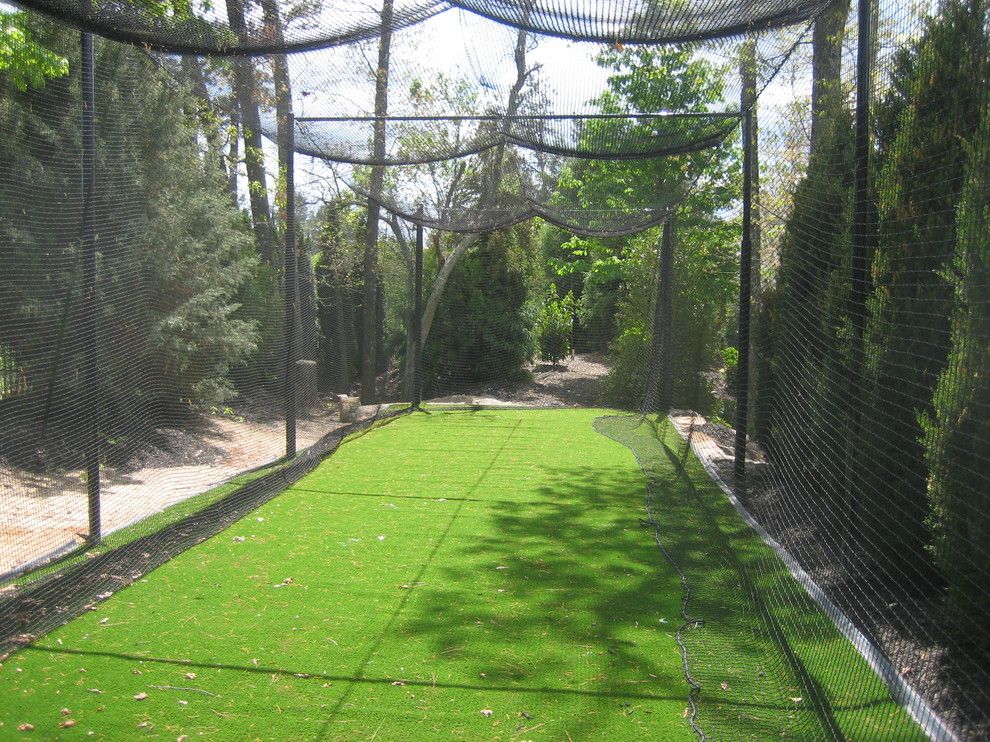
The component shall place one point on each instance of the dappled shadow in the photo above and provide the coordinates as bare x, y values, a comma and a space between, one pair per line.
580, 566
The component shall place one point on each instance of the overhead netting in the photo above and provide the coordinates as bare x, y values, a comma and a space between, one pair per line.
482, 203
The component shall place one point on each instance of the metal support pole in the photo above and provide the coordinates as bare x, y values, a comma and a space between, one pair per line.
291, 287
90, 301
417, 395
745, 278
659, 392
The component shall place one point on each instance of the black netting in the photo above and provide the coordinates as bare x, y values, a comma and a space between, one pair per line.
640, 21
237, 27
234, 27
775, 233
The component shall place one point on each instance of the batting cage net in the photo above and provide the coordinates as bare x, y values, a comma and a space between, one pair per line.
232, 235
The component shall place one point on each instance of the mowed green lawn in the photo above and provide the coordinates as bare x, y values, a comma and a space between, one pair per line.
462, 574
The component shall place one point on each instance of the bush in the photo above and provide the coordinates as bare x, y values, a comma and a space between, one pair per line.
554, 326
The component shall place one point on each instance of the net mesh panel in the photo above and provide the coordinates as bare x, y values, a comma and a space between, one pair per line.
579, 249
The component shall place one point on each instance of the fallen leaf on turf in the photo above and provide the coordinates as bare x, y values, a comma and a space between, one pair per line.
486, 712
381, 538
104, 621
66, 712
287, 581
97, 691
687, 711
67, 724
25, 728
135, 672
182, 738
190, 676
144, 725
397, 682
525, 715
501, 566
238, 539
183, 703
724, 686
140, 696
797, 699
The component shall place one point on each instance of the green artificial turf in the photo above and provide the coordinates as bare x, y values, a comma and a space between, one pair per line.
460, 574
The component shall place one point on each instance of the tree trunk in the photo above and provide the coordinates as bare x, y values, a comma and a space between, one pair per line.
207, 114
370, 316
233, 152
254, 158
492, 185
826, 68
283, 97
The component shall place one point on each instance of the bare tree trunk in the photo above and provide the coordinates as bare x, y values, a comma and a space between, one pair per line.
233, 152
826, 68
493, 183
436, 292
283, 96
370, 314
207, 114
254, 158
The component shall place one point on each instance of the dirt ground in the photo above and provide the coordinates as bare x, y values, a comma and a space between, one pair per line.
574, 382
42, 514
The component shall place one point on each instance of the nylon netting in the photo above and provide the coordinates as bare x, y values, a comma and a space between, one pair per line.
238, 292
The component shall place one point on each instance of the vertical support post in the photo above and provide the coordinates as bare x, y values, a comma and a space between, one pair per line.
860, 254
659, 385
291, 287
90, 301
417, 395
745, 279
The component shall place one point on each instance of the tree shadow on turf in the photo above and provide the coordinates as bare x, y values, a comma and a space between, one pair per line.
583, 551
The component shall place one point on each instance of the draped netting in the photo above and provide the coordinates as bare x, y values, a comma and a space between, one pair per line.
234, 233
212, 29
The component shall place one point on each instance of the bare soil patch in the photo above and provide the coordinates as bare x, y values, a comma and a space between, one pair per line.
574, 382
42, 514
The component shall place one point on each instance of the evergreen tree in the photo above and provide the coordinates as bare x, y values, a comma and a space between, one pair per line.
934, 110
957, 430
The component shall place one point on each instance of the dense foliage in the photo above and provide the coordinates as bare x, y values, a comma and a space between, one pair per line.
484, 328
176, 258
903, 469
